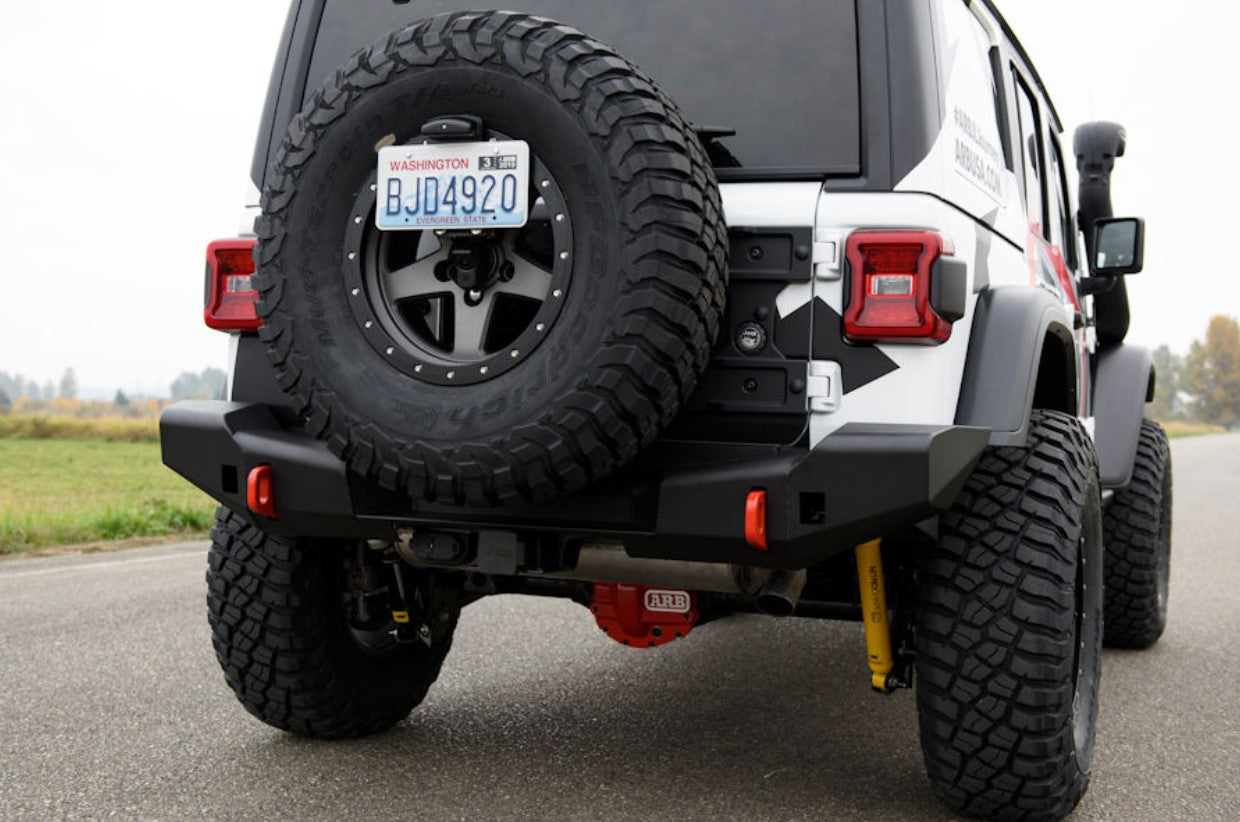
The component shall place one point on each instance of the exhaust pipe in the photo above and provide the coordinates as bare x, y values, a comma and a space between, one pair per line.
780, 593
609, 563
774, 592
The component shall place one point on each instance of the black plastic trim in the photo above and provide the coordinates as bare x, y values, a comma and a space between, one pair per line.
775, 253
1011, 327
1121, 383
916, 102
288, 82
949, 288
253, 380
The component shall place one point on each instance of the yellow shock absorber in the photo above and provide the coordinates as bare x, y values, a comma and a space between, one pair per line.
874, 613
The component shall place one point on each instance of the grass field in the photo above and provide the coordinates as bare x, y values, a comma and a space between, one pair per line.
63, 491
1180, 428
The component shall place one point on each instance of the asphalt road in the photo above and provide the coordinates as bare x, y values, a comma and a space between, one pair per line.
111, 703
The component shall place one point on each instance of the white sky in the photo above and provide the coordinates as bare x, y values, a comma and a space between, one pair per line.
127, 130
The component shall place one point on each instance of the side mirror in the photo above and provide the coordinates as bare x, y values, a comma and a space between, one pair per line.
1119, 246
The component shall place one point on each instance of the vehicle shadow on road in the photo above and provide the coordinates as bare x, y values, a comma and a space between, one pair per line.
744, 717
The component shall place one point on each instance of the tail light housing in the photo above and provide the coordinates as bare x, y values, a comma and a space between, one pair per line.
902, 287
231, 295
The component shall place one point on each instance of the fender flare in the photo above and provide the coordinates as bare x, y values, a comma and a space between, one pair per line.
1123, 383
1012, 330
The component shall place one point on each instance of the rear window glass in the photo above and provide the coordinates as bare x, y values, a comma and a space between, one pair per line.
783, 75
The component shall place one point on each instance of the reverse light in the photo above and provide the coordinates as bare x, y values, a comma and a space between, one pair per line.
902, 287
231, 295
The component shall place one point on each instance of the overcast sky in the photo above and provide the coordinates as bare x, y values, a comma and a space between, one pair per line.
128, 126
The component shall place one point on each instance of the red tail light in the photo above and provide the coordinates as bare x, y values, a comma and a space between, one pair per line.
889, 296
230, 288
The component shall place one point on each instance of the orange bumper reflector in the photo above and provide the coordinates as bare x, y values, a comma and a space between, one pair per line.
755, 519
258, 492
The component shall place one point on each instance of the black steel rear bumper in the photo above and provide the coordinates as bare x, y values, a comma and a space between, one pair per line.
678, 501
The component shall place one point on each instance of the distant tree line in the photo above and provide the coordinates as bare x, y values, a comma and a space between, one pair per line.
1203, 385
15, 386
207, 384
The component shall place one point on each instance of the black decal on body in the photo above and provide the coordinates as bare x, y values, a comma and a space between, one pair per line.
860, 364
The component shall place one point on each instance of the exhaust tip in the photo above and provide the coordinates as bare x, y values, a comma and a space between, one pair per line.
775, 605
780, 594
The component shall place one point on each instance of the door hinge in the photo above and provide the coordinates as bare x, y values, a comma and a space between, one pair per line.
823, 385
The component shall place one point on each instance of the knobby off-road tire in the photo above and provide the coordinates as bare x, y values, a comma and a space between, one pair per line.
280, 635
1137, 532
1008, 630
646, 265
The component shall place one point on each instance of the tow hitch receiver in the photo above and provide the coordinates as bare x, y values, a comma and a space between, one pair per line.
641, 616
874, 614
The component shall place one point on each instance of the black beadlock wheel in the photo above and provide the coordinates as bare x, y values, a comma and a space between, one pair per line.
1137, 531
586, 329
288, 647
1009, 628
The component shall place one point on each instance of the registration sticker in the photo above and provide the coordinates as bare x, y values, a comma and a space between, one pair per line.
453, 185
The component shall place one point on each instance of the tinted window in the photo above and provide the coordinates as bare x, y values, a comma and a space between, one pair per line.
1061, 222
783, 74
1031, 152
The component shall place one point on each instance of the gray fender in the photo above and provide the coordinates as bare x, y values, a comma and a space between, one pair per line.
1122, 385
1011, 330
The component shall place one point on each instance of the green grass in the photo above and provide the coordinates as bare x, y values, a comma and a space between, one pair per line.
1180, 428
58, 492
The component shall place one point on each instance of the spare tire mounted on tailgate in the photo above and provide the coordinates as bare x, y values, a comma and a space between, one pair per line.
492, 365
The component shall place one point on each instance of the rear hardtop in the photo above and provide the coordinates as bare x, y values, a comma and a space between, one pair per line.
805, 85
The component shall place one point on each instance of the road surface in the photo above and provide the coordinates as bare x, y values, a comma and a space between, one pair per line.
111, 703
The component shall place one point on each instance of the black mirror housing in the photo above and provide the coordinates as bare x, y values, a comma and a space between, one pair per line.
1118, 246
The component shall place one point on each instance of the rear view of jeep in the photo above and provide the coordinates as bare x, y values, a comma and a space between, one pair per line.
680, 313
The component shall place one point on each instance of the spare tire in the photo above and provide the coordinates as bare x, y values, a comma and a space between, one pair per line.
589, 326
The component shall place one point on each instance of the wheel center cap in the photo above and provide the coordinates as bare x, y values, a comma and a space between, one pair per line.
472, 262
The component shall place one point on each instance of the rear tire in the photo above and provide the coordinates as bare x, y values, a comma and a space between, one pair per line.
1008, 630
1137, 533
287, 649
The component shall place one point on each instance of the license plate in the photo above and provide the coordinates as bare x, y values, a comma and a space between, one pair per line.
453, 185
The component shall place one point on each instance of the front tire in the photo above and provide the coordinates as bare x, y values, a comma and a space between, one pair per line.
1137, 530
287, 649
1008, 630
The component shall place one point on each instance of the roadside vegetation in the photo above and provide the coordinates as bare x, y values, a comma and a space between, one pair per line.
76, 471
60, 427
1201, 388
68, 491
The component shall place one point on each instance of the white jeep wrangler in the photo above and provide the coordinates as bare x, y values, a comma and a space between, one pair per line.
778, 307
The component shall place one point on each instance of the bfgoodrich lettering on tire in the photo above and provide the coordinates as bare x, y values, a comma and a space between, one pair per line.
608, 300
1008, 630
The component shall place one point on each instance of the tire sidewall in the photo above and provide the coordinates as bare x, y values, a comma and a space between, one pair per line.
311, 259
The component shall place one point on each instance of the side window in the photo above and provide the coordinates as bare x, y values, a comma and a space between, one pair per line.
1061, 213
1032, 164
